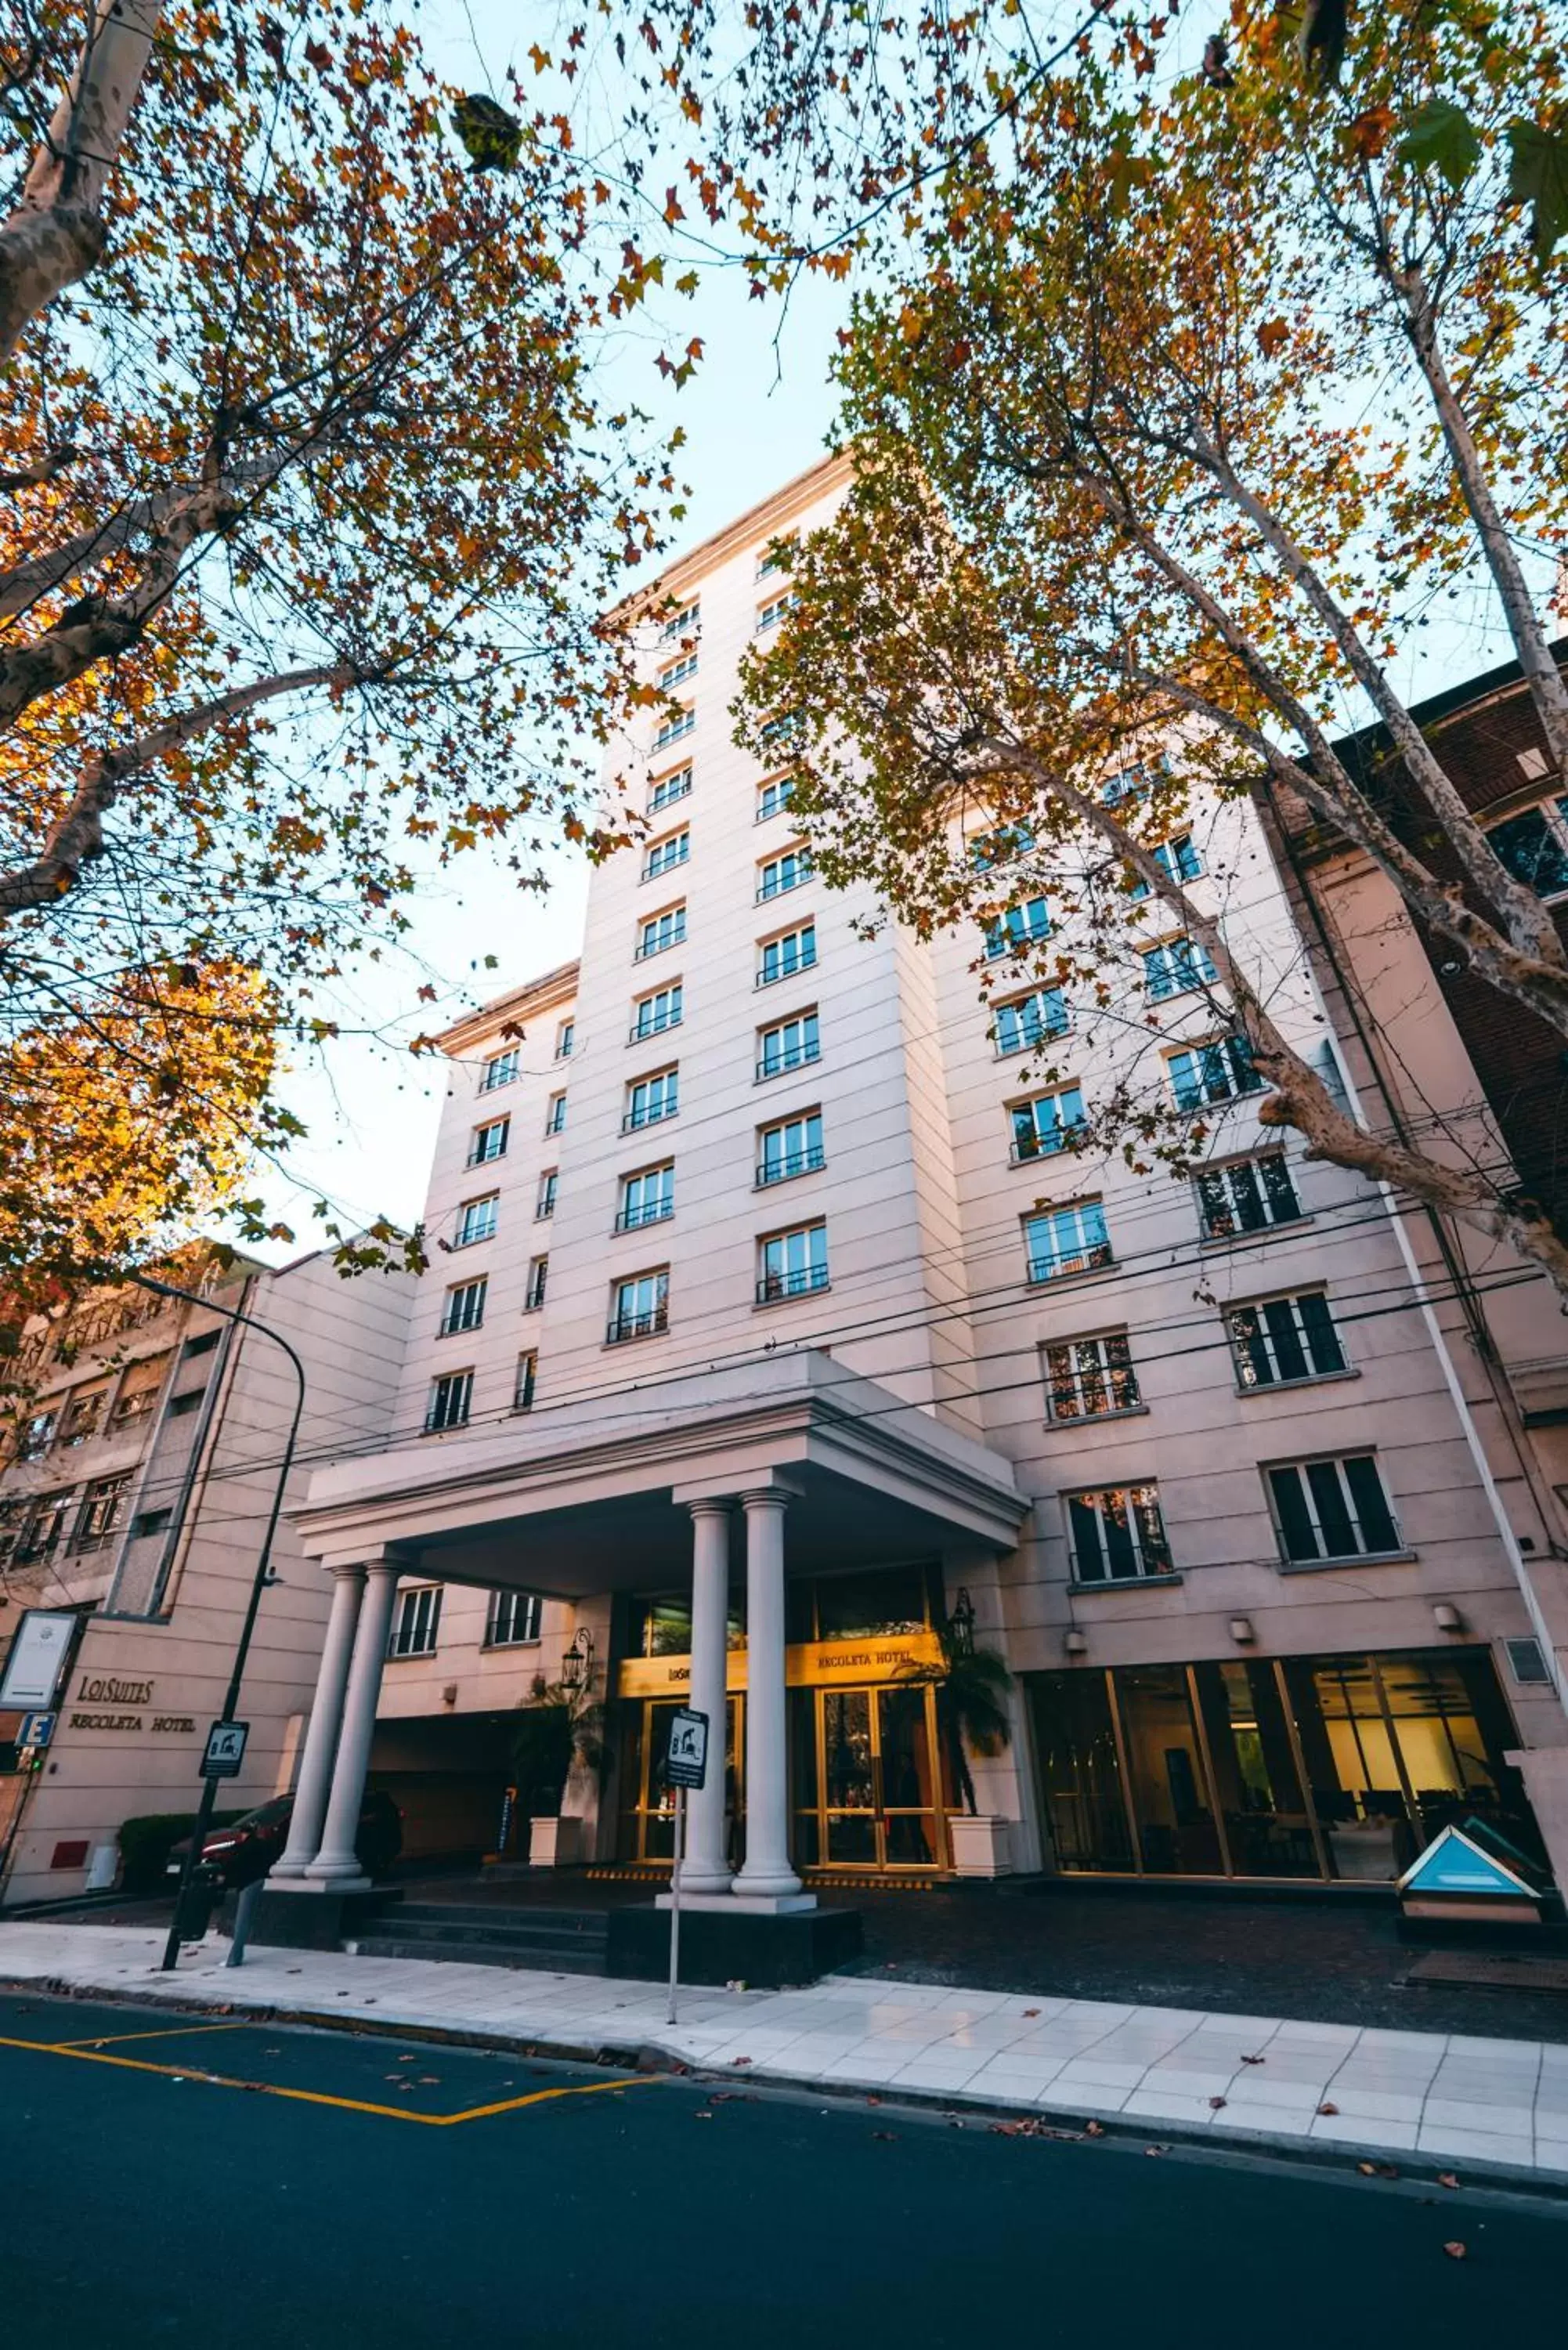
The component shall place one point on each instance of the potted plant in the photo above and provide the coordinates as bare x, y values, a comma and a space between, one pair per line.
971, 1686
558, 1732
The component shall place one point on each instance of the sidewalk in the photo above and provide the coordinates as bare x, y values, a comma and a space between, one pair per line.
1497, 2106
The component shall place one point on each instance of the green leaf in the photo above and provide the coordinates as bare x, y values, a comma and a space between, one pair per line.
1538, 177
1439, 137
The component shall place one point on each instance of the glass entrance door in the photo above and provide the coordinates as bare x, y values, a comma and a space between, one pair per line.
867, 1791
648, 1801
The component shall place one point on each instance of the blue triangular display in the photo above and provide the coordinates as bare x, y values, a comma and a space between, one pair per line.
1452, 1863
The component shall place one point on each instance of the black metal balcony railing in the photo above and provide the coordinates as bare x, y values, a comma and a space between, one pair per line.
1040, 1145
782, 884
1083, 1260
643, 1029
636, 1120
786, 1163
623, 1327
799, 1283
660, 943
648, 1212
796, 1057
766, 978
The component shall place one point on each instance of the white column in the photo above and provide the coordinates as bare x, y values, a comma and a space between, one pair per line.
767, 1873
706, 1868
321, 1736
337, 1864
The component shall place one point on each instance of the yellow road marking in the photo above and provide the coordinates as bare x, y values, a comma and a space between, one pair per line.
89, 2055
169, 2032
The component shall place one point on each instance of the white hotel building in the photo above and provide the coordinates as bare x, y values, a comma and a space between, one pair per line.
773, 1319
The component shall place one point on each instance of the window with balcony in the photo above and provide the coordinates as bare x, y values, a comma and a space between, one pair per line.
103, 1505
778, 875
652, 1014
538, 1276
556, 1113
1219, 1071
1090, 1378
1020, 928
566, 1040
500, 1070
676, 672
549, 1191
792, 1263
792, 951
1331, 1509
788, 1045
1281, 1341
1024, 1022
1000, 848
792, 1147
647, 1197
667, 789
451, 1396
140, 1389
667, 855
464, 1307
660, 932
416, 1622
769, 614
777, 557
649, 1101
1116, 1535
525, 1380
1175, 967
674, 729
82, 1416
1063, 1241
1177, 860
513, 1620
46, 1526
1045, 1125
476, 1220
488, 1142
1247, 1195
774, 797
686, 622
640, 1307
780, 736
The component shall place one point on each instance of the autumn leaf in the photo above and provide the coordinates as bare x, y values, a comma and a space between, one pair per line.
1369, 131
1273, 336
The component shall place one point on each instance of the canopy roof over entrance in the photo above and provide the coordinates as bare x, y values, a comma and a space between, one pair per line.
589, 1497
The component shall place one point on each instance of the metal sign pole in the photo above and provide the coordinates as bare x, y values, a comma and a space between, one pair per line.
675, 1900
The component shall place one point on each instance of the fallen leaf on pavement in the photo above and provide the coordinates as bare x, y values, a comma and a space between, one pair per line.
1156, 2149
1218, 2102
1447, 2178
1328, 2109
1031, 2010
1254, 2060
873, 2101
1455, 2251
739, 2060
1093, 2130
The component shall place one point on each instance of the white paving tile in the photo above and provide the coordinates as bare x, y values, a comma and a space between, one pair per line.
1479, 2145
1345, 2130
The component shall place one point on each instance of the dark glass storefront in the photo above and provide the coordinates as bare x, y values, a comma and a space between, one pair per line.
1307, 1767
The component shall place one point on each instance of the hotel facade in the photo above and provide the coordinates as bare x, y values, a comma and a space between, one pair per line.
776, 1325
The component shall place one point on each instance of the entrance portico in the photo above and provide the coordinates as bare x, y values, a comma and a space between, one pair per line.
802, 1465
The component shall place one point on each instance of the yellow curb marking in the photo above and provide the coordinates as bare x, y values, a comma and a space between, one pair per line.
168, 2032
88, 2055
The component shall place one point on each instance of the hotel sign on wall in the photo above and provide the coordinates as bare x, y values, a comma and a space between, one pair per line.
814, 1664
108, 1702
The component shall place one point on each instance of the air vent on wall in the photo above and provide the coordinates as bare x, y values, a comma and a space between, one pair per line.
1526, 1663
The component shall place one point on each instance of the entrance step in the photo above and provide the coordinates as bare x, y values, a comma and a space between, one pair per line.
552, 1941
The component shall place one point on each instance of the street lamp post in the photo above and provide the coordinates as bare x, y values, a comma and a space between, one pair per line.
258, 1585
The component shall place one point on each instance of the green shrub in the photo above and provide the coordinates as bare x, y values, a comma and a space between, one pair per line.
146, 1843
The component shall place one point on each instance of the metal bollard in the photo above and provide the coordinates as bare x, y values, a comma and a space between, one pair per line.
245, 1913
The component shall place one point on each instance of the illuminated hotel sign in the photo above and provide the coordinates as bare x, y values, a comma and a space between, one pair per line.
814, 1664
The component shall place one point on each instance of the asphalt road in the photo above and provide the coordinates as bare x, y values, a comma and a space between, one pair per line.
325, 2191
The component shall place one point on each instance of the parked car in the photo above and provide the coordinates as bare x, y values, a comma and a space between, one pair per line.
237, 1854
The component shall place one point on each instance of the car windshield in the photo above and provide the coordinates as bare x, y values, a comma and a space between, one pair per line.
266, 1816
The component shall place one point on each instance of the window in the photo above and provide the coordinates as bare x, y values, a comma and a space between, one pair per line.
1178, 860
1283, 1339
1174, 968
549, 1188
1116, 1535
81, 1417
191, 1401
449, 1399
782, 873
989, 848
774, 797
1066, 1240
203, 1344
674, 729
488, 1142
789, 1264
556, 1113
652, 1014
150, 1521
1020, 927
665, 855
527, 1378
781, 733
669, 789
566, 1040
499, 1070
1136, 781
538, 1275
1219, 1071
686, 622
677, 672
140, 1390
789, 1045
1090, 1378
464, 1307
1045, 1125
1029, 1020
778, 556
792, 951
46, 1528
647, 1197
1332, 1508
793, 1147
416, 1623
1534, 846
650, 1099
476, 1220
661, 930
100, 1512
1247, 1196
640, 1307
513, 1620
773, 610
38, 1435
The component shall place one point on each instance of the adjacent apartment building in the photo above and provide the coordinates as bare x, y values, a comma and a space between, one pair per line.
779, 1322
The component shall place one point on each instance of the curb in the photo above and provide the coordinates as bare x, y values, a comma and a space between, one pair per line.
649, 2056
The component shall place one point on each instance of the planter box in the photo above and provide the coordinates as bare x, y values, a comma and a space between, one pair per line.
982, 1845
555, 1842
